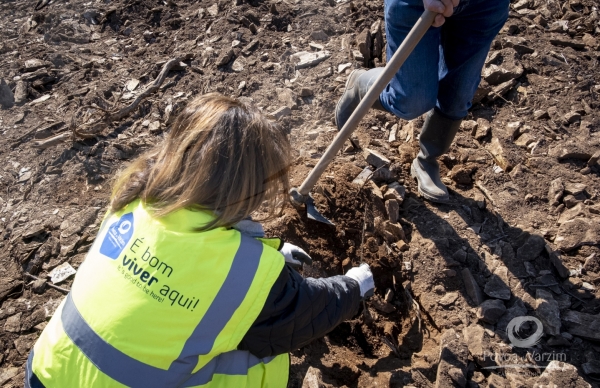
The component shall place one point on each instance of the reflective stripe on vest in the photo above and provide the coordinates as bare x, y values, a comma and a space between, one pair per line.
131, 372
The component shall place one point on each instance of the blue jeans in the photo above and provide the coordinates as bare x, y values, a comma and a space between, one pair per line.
444, 69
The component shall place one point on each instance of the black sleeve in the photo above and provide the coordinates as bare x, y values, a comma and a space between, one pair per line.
299, 310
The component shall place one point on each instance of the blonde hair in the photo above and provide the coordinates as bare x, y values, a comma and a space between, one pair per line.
220, 155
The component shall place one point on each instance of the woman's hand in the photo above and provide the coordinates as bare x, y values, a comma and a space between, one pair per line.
444, 8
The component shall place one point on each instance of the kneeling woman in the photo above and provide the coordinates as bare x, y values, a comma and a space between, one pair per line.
180, 288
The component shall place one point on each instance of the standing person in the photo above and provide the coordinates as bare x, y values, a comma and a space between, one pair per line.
180, 289
441, 75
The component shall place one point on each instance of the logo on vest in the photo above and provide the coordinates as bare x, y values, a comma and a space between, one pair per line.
117, 237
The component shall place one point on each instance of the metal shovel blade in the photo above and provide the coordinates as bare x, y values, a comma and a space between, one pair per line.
313, 213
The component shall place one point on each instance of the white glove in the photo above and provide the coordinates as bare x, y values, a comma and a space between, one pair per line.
295, 256
364, 277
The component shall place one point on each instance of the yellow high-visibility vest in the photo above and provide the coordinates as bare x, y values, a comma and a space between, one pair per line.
158, 304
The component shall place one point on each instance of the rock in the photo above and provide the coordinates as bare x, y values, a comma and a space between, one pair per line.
557, 262
504, 66
213, 10
592, 369
393, 210
316, 46
577, 232
500, 90
281, 112
555, 192
532, 248
570, 201
471, 286
571, 150
566, 42
497, 285
238, 64
364, 42
560, 374
34, 64
469, 126
572, 117
575, 188
525, 140
594, 158
582, 324
540, 114
39, 286
306, 92
478, 344
286, 97
461, 174
247, 50
306, 59
491, 310
225, 57
7, 99
547, 311
454, 357
319, 35
362, 178
579, 210
343, 66
375, 159
496, 381
498, 152
7, 373
480, 201
592, 263
24, 343
407, 153
448, 299
460, 256
518, 309
589, 41
482, 129
393, 232
21, 92
13, 323
395, 191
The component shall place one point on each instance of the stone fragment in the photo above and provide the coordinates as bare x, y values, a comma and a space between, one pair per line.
319, 35
558, 371
566, 42
496, 381
213, 10
491, 310
13, 323
579, 210
362, 178
364, 42
395, 191
39, 286
316, 46
238, 64
499, 90
286, 97
471, 286
478, 343
61, 273
306, 92
281, 112
575, 188
306, 59
582, 324
247, 50
559, 265
393, 232
592, 369
555, 192
375, 159
572, 117
454, 357
547, 311
498, 152
383, 306
577, 232
7, 98
225, 57
482, 130
7, 373
497, 285
461, 174
21, 92
531, 248
504, 67
589, 41
469, 126
594, 158
540, 114
525, 140
343, 66
448, 299
393, 210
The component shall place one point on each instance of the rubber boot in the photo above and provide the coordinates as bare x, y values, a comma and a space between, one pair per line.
435, 140
357, 85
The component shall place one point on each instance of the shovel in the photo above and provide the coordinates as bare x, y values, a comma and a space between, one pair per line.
301, 195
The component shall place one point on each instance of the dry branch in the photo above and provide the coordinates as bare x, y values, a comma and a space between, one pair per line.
151, 89
51, 141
